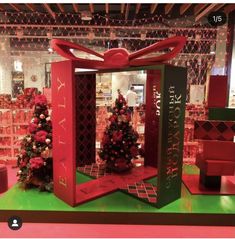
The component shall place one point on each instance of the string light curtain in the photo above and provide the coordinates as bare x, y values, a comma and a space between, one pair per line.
33, 32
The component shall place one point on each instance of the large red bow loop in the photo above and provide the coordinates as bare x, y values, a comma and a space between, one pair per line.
120, 57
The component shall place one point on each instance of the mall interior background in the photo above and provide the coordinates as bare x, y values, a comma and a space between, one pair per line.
26, 31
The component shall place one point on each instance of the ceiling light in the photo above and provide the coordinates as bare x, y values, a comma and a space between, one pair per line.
86, 16
143, 36
19, 32
119, 44
18, 66
112, 36
49, 35
171, 34
198, 37
212, 49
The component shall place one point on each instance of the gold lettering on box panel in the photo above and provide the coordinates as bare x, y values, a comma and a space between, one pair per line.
173, 137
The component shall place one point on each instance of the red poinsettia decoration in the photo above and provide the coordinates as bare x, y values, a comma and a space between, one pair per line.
23, 164
40, 136
36, 162
40, 100
35, 120
32, 128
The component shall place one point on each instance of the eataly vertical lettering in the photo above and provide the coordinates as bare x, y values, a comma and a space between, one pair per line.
61, 105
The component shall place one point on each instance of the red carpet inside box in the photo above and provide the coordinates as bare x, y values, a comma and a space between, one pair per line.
192, 183
142, 190
104, 184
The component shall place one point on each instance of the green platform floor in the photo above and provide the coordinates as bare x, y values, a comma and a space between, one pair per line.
17, 199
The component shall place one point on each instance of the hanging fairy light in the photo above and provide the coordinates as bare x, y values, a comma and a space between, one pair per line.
143, 36
212, 49
19, 33
86, 15
91, 35
112, 35
49, 34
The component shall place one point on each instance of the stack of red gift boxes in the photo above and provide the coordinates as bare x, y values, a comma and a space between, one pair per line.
216, 135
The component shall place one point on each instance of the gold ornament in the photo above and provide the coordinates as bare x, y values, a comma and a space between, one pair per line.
47, 153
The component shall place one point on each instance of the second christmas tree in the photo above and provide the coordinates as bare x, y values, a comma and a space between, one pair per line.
119, 143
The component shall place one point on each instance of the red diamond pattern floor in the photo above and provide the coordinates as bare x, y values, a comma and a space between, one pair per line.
136, 187
94, 170
142, 190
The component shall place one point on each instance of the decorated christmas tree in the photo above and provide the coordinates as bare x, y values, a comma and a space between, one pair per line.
119, 143
35, 160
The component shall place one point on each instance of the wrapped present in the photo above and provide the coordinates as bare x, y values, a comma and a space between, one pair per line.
5, 117
5, 101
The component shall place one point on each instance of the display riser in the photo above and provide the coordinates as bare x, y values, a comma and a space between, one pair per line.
120, 208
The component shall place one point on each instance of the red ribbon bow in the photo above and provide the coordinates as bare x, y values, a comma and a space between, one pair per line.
120, 57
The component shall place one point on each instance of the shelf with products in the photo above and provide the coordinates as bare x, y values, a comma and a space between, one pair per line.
103, 100
20, 124
5, 135
5, 147
191, 147
21, 116
13, 127
103, 91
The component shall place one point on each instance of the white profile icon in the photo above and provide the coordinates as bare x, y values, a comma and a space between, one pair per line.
15, 224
